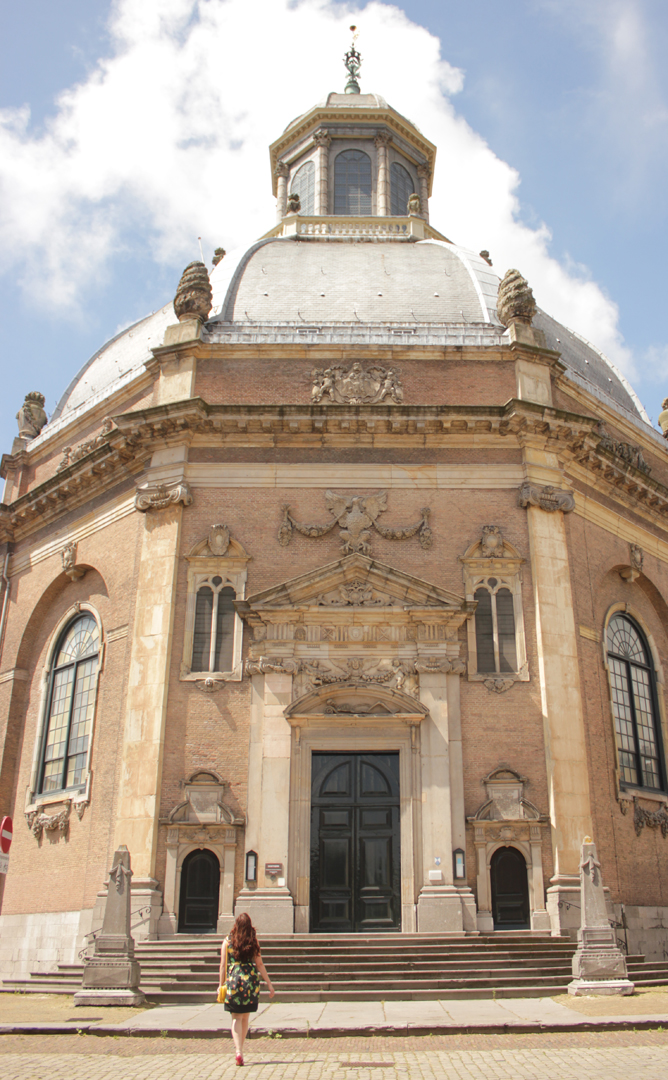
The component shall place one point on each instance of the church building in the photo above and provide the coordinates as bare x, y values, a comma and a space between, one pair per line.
335, 590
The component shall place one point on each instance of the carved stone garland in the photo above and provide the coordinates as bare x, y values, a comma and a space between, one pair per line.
356, 516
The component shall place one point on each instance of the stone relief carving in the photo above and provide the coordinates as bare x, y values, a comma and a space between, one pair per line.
356, 516
499, 686
653, 819
547, 498
516, 300
637, 556
31, 415
204, 803
194, 297
505, 798
356, 385
414, 205
629, 453
294, 203
430, 665
396, 674
69, 557
160, 496
70, 455
357, 594
39, 822
218, 539
492, 542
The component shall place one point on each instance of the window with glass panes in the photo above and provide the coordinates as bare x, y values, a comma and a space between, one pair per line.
71, 706
352, 183
496, 645
213, 639
633, 692
401, 189
303, 184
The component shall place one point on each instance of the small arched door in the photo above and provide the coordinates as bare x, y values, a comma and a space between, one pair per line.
200, 884
510, 890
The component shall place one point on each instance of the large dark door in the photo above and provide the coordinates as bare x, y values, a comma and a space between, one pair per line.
200, 882
355, 868
510, 890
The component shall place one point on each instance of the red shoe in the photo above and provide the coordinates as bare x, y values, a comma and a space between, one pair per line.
239, 1059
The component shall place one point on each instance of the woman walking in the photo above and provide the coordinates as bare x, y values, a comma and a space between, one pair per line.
240, 969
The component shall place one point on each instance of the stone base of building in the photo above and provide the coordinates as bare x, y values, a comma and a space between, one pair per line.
440, 910
272, 911
109, 997
41, 940
585, 987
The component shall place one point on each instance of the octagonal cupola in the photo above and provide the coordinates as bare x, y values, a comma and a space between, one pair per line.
349, 161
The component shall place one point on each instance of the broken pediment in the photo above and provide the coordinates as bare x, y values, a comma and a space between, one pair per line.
356, 699
203, 803
505, 798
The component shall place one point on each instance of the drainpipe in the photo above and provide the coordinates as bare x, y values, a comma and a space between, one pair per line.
5, 596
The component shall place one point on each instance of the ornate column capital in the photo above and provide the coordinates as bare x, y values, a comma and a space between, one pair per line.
383, 138
281, 169
160, 496
424, 172
322, 138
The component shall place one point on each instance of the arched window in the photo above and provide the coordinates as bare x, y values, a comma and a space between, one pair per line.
71, 705
303, 184
352, 183
213, 639
496, 646
401, 188
633, 691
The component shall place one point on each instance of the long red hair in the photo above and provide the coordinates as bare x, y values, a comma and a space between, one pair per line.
243, 939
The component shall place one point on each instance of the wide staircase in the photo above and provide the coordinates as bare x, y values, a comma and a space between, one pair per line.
398, 967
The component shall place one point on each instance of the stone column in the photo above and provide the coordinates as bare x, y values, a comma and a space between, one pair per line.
322, 140
423, 176
146, 703
282, 172
382, 142
559, 675
269, 903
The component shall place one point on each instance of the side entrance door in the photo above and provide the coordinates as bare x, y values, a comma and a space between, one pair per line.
200, 884
355, 863
510, 890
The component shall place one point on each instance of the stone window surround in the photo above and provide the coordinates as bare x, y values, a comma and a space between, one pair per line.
232, 569
79, 796
508, 569
626, 792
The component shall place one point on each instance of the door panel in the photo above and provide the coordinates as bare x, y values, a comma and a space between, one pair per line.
355, 866
510, 890
200, 884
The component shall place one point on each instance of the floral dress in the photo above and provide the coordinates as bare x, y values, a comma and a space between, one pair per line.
243, 985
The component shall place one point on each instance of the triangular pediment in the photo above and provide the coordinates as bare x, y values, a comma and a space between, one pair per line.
356, 582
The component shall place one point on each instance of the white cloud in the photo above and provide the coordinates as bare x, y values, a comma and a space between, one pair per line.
167, 140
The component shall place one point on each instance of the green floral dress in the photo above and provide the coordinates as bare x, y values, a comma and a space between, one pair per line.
243, 985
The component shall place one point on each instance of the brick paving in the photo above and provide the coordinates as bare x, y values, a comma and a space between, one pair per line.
559, 1056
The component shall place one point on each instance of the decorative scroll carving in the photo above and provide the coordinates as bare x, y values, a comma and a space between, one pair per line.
265, 664
70, 455
194, 297
653, 819
516, 301
547, 498
69, 557
160, 496
356, 517
356, 385
39, 822
31, 415
629, 453
430, 665
491, 544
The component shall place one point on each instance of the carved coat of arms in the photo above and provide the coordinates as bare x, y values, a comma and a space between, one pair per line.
356, 385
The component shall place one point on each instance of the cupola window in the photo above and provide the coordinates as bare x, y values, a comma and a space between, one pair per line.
401, 188
352, 183
213, 638
633, 693
303, 184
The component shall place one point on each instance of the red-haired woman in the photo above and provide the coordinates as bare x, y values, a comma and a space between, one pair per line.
241, 957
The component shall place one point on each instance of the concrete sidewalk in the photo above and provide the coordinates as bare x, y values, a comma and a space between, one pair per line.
336, 1018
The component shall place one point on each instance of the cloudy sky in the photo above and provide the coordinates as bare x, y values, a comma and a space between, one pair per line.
129, 128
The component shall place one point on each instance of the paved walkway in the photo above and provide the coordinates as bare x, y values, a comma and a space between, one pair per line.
356, 1018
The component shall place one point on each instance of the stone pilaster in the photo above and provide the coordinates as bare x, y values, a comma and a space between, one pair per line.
282, 173
382, 142
322, 140
423, 177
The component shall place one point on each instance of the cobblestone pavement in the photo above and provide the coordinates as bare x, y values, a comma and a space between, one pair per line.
610, 1055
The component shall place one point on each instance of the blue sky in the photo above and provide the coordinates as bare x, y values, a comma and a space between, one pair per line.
129, 129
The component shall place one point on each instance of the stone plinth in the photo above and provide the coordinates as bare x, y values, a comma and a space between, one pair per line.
439, 910
271, 910
599, 966
111, 976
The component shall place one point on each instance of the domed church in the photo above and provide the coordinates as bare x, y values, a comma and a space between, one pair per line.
335, 590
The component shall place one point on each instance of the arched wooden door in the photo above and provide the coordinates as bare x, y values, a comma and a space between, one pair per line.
510, 890
200, 885
355, 858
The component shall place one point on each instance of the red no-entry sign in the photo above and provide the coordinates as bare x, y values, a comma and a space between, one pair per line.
6, 833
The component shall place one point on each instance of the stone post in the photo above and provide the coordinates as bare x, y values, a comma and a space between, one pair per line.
382, 141
282, 172
322, 140
111, 976
423, 177
599, 966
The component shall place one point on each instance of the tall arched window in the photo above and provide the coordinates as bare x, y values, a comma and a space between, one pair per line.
401, 188
71, 705
213, 639
352, 183
633, 691
303, 184
496, 646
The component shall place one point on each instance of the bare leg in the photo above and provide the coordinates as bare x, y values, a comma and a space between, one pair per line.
246, 1021
240, 1022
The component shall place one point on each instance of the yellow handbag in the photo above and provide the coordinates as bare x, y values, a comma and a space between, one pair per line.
222, 989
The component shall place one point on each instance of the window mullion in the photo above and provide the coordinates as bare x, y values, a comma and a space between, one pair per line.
495, 633
63, 775
214, 620
634, 717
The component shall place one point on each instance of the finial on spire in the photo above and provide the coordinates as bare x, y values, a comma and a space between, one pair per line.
353, 62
